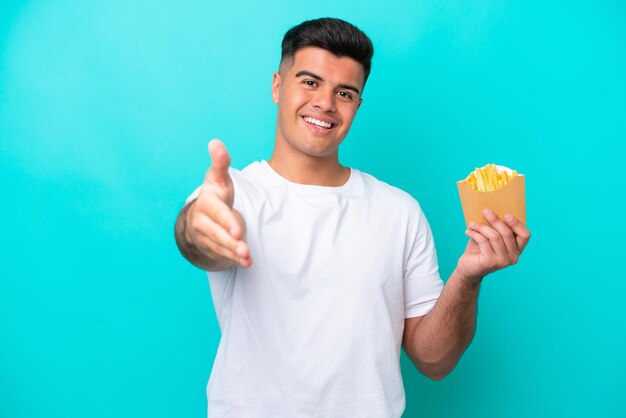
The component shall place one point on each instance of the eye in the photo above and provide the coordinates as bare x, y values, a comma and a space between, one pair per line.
345, 96
310, 83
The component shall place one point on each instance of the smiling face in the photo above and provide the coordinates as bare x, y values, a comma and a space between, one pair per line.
318, 95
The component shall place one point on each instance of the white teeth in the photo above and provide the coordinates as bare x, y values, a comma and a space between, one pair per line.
318, 122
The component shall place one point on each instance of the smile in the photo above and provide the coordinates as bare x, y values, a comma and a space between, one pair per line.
317, 122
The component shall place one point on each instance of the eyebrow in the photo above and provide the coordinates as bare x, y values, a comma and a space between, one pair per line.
317, 77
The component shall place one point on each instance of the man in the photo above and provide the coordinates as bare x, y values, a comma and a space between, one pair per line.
320, 272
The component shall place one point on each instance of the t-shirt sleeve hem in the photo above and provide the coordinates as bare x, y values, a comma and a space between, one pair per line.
420, 310
193, 196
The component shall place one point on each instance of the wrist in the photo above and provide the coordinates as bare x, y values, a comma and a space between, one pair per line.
469, 280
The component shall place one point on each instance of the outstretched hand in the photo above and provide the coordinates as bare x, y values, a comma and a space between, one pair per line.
492, 246
216, 228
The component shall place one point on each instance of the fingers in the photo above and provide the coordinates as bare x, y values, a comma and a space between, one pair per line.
211, 237
217, 176
487, 237
220, 213
220, 161
522, 234
223, 244
216, 229
239, 255
507, 239
492, 246
506, 234
484, 246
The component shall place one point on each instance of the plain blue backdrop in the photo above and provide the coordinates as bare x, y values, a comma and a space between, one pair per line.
106, 108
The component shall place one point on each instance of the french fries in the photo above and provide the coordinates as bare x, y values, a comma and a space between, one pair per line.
488, 179
505, 193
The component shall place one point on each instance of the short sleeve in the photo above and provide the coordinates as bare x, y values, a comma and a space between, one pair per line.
193, 196
422, 282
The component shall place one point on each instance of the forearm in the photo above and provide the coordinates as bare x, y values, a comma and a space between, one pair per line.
204, 260
436, 341
441, 337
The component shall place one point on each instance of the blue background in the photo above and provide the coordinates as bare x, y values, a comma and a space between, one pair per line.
106, 108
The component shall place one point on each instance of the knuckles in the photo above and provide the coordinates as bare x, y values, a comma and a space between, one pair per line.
497, 263
511, 260
508, 234
196, 224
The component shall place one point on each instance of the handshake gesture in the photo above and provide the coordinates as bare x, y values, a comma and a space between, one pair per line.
209, 232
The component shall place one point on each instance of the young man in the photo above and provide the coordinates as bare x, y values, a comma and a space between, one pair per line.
319, 271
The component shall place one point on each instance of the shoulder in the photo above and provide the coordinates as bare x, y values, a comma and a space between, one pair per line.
253, 185
247, 178
393, 196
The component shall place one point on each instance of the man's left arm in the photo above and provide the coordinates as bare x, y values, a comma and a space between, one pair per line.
436, 341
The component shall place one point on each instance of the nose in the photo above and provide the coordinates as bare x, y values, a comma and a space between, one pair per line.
324, 100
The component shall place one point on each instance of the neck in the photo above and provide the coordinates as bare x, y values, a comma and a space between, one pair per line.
317, 171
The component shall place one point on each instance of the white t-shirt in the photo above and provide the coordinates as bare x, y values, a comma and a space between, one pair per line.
314, 327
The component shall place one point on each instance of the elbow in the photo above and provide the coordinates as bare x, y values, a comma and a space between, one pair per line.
436, 376
436, 368
436, 365
435, 372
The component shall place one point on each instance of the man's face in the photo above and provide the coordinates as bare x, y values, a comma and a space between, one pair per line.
318, 95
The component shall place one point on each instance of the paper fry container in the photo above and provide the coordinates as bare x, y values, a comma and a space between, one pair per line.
509, 199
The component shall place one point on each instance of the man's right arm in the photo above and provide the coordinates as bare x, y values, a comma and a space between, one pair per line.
209, 232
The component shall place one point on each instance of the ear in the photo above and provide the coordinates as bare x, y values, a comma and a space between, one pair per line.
275, 87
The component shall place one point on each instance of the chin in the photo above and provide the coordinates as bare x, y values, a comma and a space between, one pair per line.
319, 152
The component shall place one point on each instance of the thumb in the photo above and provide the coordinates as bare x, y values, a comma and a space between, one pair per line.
220, 161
